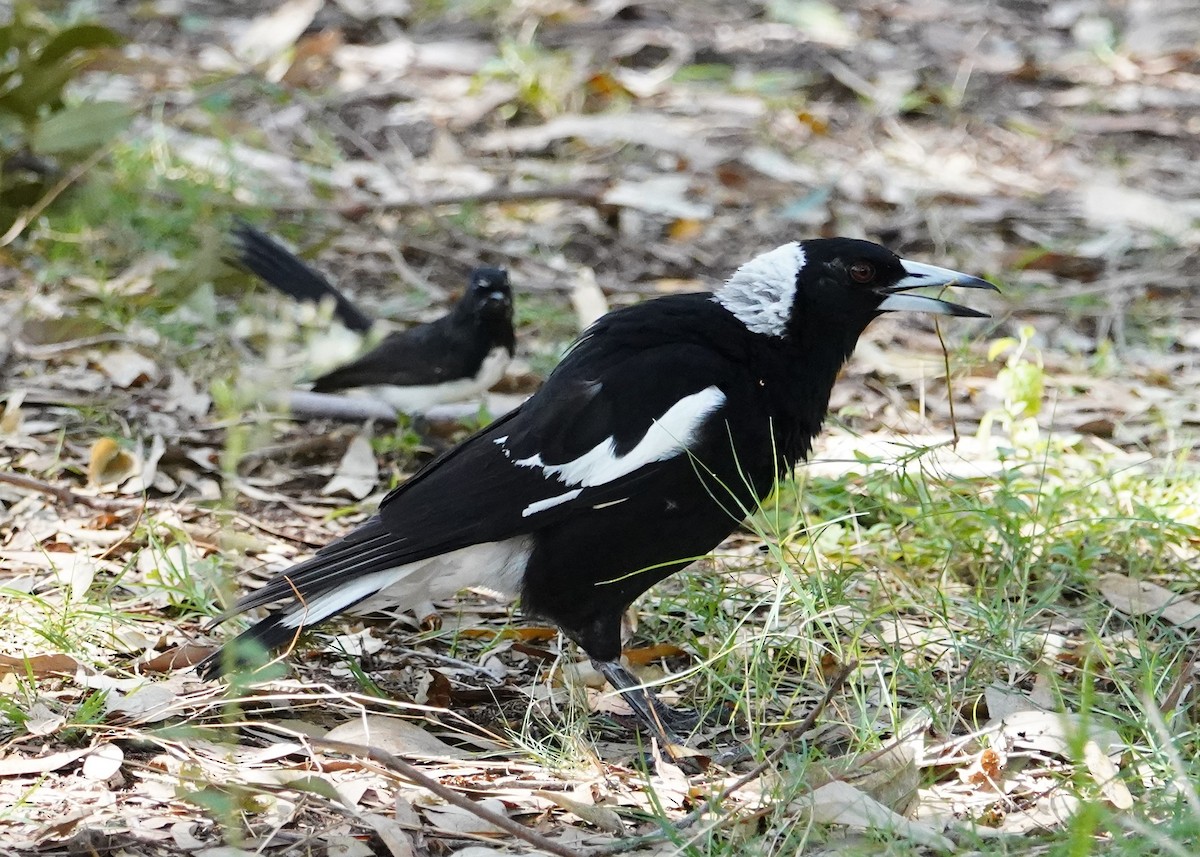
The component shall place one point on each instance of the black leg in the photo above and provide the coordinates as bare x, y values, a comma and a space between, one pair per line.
657, 716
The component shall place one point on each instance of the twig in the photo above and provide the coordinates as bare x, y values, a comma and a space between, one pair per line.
415, 776
754, 773
949, 384
587, 194
66, 495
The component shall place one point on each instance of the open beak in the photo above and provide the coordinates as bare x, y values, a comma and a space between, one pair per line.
921, 275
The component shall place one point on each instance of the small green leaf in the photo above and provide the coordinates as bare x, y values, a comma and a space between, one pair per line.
83, 126
38, 87
82, 37
316, 786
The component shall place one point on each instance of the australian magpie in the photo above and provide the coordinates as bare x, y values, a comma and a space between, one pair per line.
456, 357
663, 427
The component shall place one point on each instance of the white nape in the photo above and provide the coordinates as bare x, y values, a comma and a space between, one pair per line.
761, 292
666, 437
495, 566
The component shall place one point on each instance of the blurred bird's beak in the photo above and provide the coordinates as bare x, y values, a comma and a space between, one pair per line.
498, 297
921, 275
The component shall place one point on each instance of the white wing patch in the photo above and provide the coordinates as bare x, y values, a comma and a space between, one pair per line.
550, 503
761, 292
667, 436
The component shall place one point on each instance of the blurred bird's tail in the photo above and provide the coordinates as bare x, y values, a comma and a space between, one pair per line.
275, 264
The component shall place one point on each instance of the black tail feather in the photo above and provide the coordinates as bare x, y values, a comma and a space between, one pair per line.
275, 264
364, 551
249, 650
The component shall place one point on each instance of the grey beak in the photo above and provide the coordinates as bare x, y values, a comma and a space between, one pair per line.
921, 275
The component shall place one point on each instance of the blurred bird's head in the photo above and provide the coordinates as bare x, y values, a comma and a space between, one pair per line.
832, 288
489, 295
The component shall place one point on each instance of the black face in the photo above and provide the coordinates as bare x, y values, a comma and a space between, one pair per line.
490, 292
857, 280
848, 272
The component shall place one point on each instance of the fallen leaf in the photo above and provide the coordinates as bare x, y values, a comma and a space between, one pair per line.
337, 845
646, 654
358, 471
16, 765
454, 819
148, 468
1106, 204
1056, 733
108, 463
1143, 598
103, 762
148, 704
393, 836
840, 803
664, 195
39, 665
598, 816
393, 735
179, 657
1108, 778
126, 367
271, 34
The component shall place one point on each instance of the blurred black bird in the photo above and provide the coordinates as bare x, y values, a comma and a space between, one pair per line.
663, 427
456, 357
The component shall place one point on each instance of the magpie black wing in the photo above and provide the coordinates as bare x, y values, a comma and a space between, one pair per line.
616, 410
427, 354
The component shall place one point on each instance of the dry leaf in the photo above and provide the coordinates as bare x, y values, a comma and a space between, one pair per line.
1056, 733
393, 735
148, 704
454, 819
271, 34
1143, 598
337, 845
16, 765
646, 654
39, 665
663, 195
108, 463
148, 468
840, 803
598, 816
1106, 775
103, 762
358, 471
394, 837
126, 367
177, 658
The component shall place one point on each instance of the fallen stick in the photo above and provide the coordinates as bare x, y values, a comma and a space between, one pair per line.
66, 495
417, 777
305, 404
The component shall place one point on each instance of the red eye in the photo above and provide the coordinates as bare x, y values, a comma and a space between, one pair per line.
862, 272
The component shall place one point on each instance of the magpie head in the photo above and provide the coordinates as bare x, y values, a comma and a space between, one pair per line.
843, 283
489, 294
